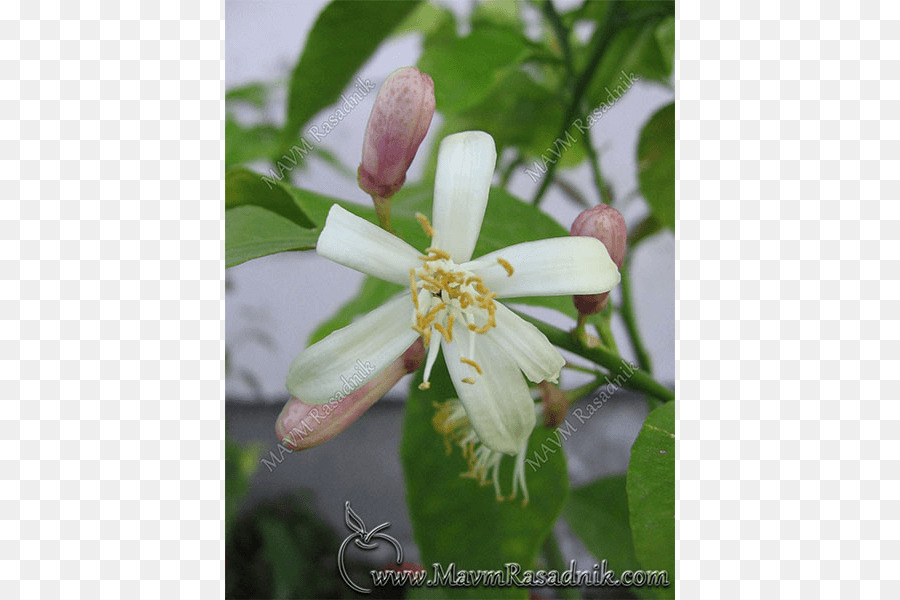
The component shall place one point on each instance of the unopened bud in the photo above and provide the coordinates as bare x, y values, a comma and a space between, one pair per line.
607, 225
301, 426
398, 124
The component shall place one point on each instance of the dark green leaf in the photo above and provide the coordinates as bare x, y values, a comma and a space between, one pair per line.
252, 231
665, 39
240, 463
598, 514
651, 494
344, 35
656, 165
457, 520
466, 69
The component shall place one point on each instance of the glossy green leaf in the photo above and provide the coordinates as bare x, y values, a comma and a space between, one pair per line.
252, 231
457, 520
343, 37
651, 494
656, 165
466, 69
598, 514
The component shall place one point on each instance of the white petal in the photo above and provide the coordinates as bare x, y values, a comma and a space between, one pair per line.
527, 346
551, 267
356, 243
349, 357
498, 403
462, 182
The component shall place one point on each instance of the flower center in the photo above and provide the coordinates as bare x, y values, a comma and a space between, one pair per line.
444, 294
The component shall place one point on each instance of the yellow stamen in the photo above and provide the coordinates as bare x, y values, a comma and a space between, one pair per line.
471, 363
450, 328
438, 252
442, 331
472, 278
423, 221
424, 385
412, 288
507, 266
468, 380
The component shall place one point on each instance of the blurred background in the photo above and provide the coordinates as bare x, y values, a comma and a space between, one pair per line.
274, 303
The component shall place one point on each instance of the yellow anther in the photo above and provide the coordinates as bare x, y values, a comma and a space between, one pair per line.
423, 221
471, 363
472, 278
468, 380
481, 289
507, 266
424, 385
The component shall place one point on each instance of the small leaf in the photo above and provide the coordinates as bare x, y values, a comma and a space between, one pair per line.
651, 494
466, 69
656, 165
252, 231
254, 94
344, 35
246, 144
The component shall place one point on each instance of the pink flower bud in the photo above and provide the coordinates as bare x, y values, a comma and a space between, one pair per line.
607, 225
301, 426
398, 124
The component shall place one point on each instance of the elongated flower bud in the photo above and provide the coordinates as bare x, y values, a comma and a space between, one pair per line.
607, 225
301, 426
398, 124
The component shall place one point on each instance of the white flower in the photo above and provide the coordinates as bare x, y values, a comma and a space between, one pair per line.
452, 300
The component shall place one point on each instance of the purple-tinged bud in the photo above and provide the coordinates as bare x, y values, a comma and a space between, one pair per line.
398, 124
301, 426
607, 225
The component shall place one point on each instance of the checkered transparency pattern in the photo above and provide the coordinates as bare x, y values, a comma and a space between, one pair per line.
788, 300
110, 299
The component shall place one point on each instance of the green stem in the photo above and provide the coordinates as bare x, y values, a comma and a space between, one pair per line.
627, 311
383, 212
605, 331
507, 174
600, 42
635, 379
556, 562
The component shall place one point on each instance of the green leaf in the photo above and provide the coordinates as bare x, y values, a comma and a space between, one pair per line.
245, 187
651, 494
240, 464
254, 94
466, 69
656, 165
598, 514
246, 144
504, 13
372, 293
344, 35
457, 520
665, 39
434, 22
283, 554
252, 231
